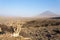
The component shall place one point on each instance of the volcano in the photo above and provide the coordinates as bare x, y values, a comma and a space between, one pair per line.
47, 14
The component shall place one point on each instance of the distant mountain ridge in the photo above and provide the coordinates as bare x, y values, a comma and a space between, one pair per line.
47, 14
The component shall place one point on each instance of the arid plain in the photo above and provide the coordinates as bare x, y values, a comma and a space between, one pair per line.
29, 28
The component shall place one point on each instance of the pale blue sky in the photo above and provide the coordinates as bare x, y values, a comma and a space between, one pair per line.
28, 7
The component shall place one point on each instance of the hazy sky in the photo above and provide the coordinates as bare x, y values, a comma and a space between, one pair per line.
28, 7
